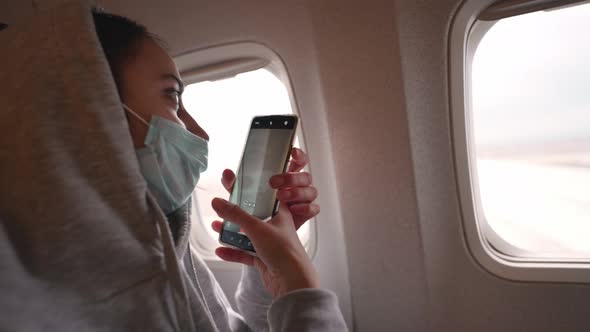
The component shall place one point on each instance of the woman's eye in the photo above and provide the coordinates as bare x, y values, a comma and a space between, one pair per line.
173, 94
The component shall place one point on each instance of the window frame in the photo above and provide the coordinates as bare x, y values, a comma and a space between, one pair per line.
225, 61
466, 31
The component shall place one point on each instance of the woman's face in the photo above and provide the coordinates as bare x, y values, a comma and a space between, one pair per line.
151, 86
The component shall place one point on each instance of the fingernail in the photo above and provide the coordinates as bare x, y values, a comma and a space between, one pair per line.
276, 181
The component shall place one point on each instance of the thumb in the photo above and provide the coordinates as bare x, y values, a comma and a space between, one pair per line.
231, 212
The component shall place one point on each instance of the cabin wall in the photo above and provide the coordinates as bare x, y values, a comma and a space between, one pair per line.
462, 295
371, 81
359, 61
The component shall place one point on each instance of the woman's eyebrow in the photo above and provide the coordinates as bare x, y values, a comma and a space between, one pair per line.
175, 78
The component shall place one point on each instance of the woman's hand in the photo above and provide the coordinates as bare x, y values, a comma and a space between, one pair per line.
297, 195
281, 258
295, 188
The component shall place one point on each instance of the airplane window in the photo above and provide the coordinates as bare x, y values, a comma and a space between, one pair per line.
530, 121
224, 108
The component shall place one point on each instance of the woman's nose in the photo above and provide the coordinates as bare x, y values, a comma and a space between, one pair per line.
191, 124
197, 130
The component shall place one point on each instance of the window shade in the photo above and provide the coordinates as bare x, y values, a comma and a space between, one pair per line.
223, 69
507, 8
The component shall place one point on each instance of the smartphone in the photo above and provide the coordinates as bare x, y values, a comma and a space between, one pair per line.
266, 153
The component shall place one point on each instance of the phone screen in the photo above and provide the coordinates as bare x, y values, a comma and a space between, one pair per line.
266, 154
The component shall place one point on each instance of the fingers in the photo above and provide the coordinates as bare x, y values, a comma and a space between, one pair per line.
217, 226
303, 212
287, 180
227, 179
229, 211
308, 210
233, 255
299, 160
297, 194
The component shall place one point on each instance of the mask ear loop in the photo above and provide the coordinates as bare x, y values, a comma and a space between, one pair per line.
135, 114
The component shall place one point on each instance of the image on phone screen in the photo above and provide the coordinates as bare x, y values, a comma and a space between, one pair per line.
266, 154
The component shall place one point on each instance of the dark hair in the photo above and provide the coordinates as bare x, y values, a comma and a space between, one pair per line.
119, 37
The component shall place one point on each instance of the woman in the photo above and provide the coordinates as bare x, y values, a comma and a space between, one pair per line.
281, 281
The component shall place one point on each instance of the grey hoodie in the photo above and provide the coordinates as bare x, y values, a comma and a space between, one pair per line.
83, 245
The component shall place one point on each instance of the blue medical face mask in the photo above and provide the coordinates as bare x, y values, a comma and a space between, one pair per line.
171, 162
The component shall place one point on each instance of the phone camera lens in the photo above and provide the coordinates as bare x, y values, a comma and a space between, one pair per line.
286, 122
